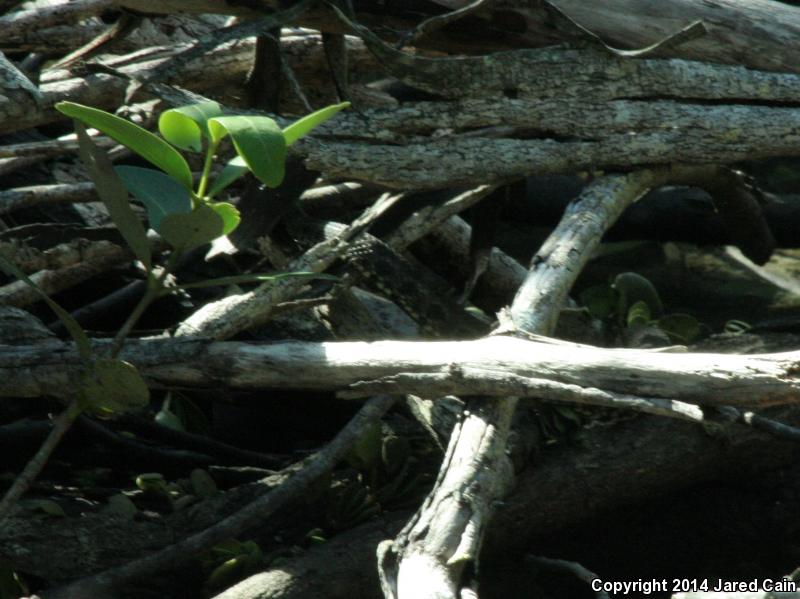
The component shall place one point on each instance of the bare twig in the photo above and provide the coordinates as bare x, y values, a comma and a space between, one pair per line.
251, 515
25, 197
435, 23
123, 26
61, 424
233, 314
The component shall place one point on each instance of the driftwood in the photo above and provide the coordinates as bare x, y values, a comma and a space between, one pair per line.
489, 120
567, 488
220, 68
659, 445
496, 366
546, 498
734, 38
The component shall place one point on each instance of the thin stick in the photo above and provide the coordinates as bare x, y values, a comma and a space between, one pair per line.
251, 515
61, 424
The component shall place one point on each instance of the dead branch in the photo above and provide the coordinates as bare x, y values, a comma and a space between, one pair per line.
251, 515
661, 455
25, 197
406, 366
226, 66
429, 556
761, 34
224, 318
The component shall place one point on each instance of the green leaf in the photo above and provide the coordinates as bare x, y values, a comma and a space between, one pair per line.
366, 452
112, 191
235, 168
73, 328
46, 507
229, 215
160, 193
600, 300
255, 278
202, 483
736, 327
113, 387
166, 417
681, 328
185, 127
227, 573
638, 314
181, 413
150, 147
186, 231
120, 505
240, 559
258, 140
152, 481
301, 127
633, 287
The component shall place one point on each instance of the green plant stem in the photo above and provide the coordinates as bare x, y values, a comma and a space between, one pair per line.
62, 422
155, 287
22, 483
201, 188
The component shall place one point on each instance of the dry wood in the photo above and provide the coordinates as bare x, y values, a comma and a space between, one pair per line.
419, 152
659, 455
401, 366
253, 514
226, 317
429, 556
761, 34
25, 197
224, 67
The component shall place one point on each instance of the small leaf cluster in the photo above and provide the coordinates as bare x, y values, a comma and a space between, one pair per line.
390, 473
184, 215
230, 561
173, 496
634, 303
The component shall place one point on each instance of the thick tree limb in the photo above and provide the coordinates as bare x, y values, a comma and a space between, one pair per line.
224, 66
713, 379
763, 34
458, 161
760, 34
542, 73
429, 557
